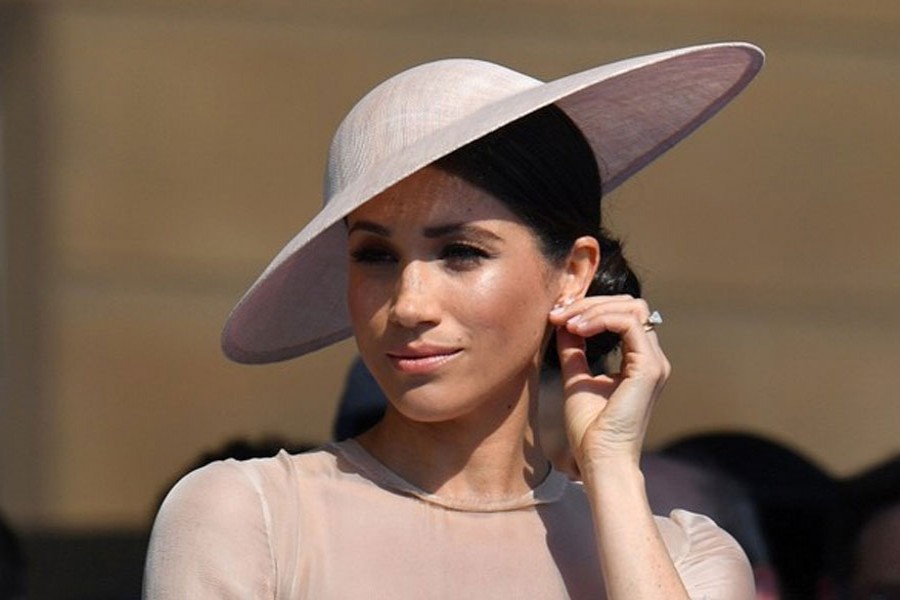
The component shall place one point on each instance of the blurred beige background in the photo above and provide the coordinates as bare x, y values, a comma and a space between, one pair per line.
157, 154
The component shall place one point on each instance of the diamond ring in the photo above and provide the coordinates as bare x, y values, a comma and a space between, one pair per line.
652, 321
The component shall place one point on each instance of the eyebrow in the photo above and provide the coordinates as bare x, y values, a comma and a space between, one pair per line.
460, 228
437, 231
370, 227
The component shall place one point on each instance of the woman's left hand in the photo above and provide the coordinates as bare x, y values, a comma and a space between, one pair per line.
607, 415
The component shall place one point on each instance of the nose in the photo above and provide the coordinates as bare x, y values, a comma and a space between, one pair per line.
415, 300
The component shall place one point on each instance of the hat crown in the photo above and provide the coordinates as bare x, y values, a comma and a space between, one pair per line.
410, 107
630, 112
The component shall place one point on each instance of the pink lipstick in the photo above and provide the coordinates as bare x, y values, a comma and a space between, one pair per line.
422, 359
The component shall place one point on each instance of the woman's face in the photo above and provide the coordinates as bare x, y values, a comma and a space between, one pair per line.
448, 296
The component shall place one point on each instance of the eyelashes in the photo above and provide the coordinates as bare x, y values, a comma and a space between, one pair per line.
372, 255
459, 256
464, 254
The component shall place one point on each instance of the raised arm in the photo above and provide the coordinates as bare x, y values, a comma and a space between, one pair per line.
606, 419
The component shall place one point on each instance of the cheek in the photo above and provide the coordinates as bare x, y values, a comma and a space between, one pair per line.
511, 302
364, 300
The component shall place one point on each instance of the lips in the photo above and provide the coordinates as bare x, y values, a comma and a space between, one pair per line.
422, 359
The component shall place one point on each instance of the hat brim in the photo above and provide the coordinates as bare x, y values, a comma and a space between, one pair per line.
630, 111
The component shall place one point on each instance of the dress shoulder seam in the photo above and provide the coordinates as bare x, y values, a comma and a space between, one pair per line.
253, 479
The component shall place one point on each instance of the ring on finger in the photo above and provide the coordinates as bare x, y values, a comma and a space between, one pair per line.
652, 321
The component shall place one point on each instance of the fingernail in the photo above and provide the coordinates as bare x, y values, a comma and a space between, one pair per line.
561, 305
575, 320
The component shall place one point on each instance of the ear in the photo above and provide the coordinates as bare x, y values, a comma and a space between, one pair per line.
578, 271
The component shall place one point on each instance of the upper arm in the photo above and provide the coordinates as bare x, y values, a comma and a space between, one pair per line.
211, 539
712, 564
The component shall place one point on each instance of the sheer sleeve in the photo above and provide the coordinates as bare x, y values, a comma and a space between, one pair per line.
711, 563
211, 539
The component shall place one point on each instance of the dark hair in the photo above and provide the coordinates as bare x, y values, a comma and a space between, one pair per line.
795, 498
12, 563
543, 169
863, 498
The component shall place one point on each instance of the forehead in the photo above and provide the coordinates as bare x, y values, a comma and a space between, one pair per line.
432, 196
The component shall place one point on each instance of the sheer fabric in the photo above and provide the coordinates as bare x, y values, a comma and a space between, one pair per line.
335, 523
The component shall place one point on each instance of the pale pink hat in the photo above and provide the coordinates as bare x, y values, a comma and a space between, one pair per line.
630, 112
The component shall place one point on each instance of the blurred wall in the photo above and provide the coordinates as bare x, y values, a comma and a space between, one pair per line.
157, 154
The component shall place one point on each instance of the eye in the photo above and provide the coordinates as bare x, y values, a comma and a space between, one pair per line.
463, 255
372, 254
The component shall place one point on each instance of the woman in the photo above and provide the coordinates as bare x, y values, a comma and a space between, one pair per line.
459, 241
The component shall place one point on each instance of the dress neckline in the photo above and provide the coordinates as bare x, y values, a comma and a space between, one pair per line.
549, 490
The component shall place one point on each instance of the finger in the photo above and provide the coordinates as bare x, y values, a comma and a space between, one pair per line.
585, 317
619, 303
627, 317
666, 366
628, 325
653, 337
576, 374
573, 361
642, 358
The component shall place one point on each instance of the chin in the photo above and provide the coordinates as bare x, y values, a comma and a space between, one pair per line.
425, 405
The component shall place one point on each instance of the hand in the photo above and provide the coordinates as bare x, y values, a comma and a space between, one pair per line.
607, 415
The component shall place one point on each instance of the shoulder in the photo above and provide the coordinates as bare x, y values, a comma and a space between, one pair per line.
218, 526
228, 488
221, 486
711, 563
252, 489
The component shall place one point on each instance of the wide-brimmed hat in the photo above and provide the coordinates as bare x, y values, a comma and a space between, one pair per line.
629, 111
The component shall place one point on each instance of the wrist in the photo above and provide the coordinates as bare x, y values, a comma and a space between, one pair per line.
613, 474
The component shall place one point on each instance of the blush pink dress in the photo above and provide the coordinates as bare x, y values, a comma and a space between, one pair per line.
336, 523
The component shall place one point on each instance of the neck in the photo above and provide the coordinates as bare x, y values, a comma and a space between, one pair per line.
493, 454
